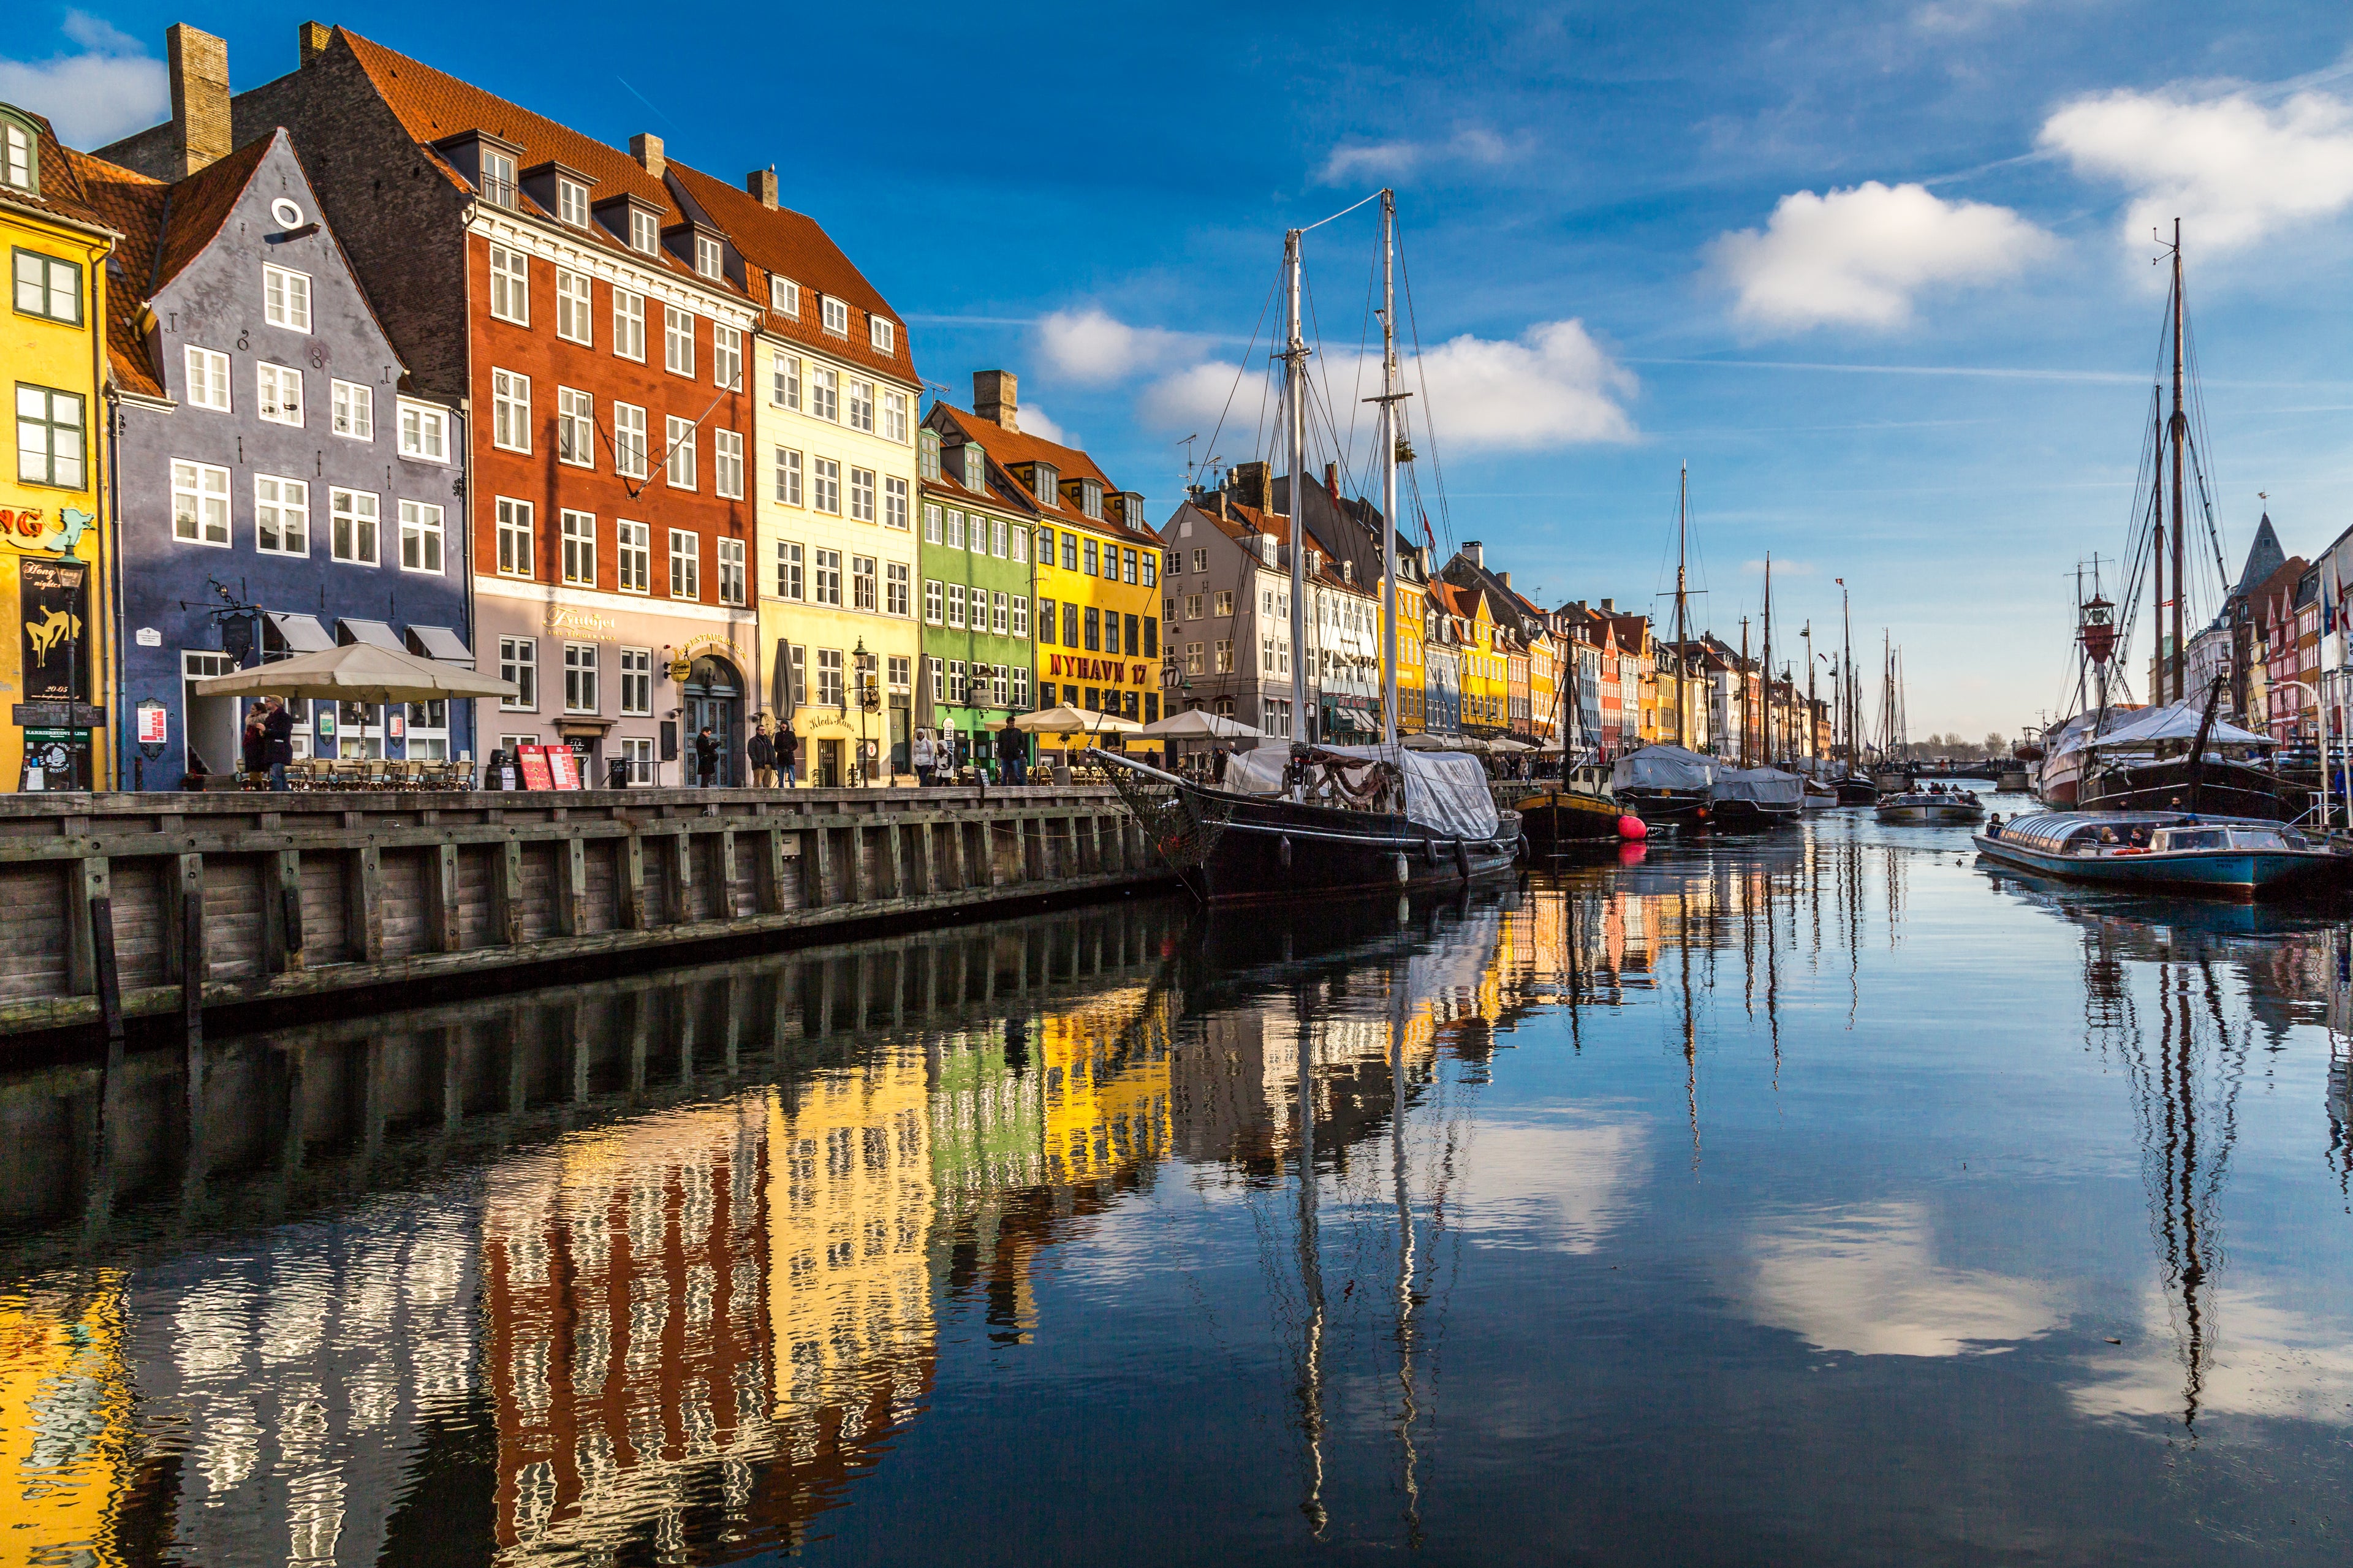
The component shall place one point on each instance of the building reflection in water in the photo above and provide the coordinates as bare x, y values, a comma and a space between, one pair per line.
657, 1266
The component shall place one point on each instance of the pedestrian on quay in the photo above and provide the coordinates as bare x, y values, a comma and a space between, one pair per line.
761, 753
788, 755
279, 726
924, 757
1013, 753
255, 745
706, 756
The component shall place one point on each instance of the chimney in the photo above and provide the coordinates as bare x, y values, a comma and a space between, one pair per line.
200, 124
311, 39
762, 182
646, 148
1249, 483
1476, 554
996, 397
1506, 577
1609, 606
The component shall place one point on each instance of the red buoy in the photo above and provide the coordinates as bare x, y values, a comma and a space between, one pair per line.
1633, 828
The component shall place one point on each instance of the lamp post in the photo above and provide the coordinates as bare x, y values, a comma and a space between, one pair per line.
870, 701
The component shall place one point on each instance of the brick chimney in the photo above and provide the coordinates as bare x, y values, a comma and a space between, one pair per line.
1609, 606
1249, 482
996, 398
200, 122
646, 149
1504, 578
311, 39
762, 182
1476, 554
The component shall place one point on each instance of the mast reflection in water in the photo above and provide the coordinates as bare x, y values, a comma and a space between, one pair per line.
1821, 1192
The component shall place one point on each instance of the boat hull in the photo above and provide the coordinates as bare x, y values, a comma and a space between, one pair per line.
1666, 808
2223, 873
1748, 817
1553, 817
1857, 791
1928, 815
2225, 788
1271, 850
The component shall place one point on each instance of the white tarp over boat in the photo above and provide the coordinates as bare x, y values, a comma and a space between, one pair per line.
1763, 786
1662, 767
2177, 721
1445, 792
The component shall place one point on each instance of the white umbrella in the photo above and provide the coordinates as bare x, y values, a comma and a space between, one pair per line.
356, 672
1506, 746
1428, 742
1069, 720
1200, 723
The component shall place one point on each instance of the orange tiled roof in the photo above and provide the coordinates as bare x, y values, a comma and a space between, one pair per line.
61, 194
133, 204
1012, 447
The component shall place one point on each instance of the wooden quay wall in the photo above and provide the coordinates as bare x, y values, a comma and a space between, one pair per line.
118, 906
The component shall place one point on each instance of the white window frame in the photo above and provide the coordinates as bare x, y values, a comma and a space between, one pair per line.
836, 314
271, 382
860, 413
685, 565
1020, 614
932, 531
825, 487
826, 583
351, 408
677, 340
678, 457
785, 381
580, 678
727, 464
727, 356
633, 556
955, 607
509, 285
571, 202
785, 297
510, 410
865, 584
824, 394
709, 256
575, 306
894, 502
289, 501
1017, 544
519, 663
578, 563
894, 416
348, 520
897, 597
792, 560
423, 537
829, 689
205, 488
629, 456
286, 298
645, 232
934, 601
862, 495
787, 490
424, 431
882, 335
730, 554
207, 384
636, 682
575, 428
628, 325
516, 521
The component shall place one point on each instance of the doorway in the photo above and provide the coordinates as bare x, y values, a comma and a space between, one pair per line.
714, 694
211, 735
828, 764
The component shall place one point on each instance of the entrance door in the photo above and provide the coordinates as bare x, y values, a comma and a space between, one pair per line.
828, 764
214, 730
714, 695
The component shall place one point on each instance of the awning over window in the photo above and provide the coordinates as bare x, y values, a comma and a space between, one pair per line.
301, 634
375, 634
441, 643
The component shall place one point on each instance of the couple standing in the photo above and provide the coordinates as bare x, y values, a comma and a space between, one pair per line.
268, 742
774, 753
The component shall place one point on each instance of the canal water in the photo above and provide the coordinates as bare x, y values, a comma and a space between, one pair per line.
1815, 1198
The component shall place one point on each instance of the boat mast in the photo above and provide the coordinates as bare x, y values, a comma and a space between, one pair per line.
1683, 514
1294, 415
1744, 692
2180, 428
1768, 758
1388, 402
1808, 634
1846, 676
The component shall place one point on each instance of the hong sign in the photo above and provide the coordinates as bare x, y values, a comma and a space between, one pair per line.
53, 649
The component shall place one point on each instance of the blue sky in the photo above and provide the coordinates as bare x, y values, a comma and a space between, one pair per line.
1879, 272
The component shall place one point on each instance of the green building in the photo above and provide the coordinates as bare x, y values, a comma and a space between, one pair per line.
973, 559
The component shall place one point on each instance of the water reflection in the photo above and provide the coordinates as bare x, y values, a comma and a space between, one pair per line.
834, 1252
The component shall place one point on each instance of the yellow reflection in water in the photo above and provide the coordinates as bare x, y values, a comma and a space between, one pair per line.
65, 1419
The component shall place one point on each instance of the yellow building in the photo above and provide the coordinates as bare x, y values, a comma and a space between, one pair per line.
1097, 567
54, 681
1411, 602
833, 466
1486, 670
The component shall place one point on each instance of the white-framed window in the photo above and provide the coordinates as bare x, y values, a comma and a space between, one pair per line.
826, 486
17, 165
509, 285
896, 595
677, 340
1225, 602
420, 537
1020, 685
352, 529
1193, 603
894, 416
628, 325
580, 548
727, 356
710, 256
574, 303
730, 569
207, 378
862, 495
861, 406
934, 600
883, 335
957, 691
644, 232
862, 594
997, 685
575, 428
424, 431
1090, 498
955, 529
685, 564
636, 682
788, 477
955, 606
1017, 544
939, 672
824, 392
199, 503
997, 537
353, 409
930, 522
999, 612
281, 515
829, 579
1046, 484
785, 297
1020, 614
678, 468
510, 410
785, 381
837, 316
497, 184
580, 678
901, 671
1200, 559
514, 521
281, 393
894, 504
790, 560
633, 556
519, 663
727, 464
829, 676
285, 297
1196, 658
630, 440
1225, 656
571, 202
976, 469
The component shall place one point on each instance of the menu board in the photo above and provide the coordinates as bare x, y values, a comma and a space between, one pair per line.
563, 766
533, 761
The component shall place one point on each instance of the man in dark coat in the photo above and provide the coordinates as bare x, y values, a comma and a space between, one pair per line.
1013, 751
761, 753
278, 728
706, 756
788, 755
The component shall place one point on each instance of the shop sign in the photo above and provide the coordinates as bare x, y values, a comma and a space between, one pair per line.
580, 622
533, 761
52, 650
60, 759
27, 527
154, 723
148, 636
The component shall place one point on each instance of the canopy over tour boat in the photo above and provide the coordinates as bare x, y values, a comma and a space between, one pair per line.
2231, 856
1934, 803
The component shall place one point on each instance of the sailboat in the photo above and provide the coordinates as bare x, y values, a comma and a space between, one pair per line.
1312, 817
1748, 798
1669, 786
1854, 787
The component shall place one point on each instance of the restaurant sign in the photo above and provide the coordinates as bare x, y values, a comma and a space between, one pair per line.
54, 654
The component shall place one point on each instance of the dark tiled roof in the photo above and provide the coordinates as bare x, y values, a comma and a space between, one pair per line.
201, 203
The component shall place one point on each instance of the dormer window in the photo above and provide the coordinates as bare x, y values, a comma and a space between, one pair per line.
927, 455
785, 297
976, 469
498, 178
837, 317
710, 259
572, 202
20, 157
1045, 485
882, 335
644, 232
1091, 498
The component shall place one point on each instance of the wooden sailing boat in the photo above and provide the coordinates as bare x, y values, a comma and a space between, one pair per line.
1667, 786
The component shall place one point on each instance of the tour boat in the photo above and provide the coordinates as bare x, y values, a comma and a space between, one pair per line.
2234, 856
1931, 806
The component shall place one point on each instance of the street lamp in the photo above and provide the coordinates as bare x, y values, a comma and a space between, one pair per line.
870, 701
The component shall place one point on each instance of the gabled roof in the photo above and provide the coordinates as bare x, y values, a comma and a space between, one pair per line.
199, 205
133, 204
2264, 557
1015, 448
61, 194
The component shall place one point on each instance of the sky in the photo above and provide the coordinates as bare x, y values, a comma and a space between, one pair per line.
1880, 274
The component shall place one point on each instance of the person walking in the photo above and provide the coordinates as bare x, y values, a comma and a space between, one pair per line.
761, 753
706, 756
923, 756
279, 726
1013, 751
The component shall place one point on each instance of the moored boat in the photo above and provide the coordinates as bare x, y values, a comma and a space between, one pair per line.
2239, 858
1666, 786
1933, 805
1576, 809
1742, 799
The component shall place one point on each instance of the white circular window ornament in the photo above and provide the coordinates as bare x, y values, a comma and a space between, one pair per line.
286, 212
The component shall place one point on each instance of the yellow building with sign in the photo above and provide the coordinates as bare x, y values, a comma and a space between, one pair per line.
54, 678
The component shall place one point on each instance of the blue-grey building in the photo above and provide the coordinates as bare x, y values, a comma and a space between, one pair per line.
277, 492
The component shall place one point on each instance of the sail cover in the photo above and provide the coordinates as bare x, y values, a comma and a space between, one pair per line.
1765, 786
1445, 792
1662, 767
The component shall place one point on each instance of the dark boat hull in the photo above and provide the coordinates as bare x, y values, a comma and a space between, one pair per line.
2224, 789
1857, 791
1748, 817
1667, 807
1554, 818
1277, 849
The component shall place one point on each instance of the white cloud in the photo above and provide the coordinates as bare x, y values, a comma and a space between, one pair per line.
1191, 400
110, 89
1036, 422
1857, 258
2232, 168
1470, 144
1866, 1281
1552, 387
1092, 346
2259, 1354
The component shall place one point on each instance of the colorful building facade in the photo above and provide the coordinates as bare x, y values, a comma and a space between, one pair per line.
978, 658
